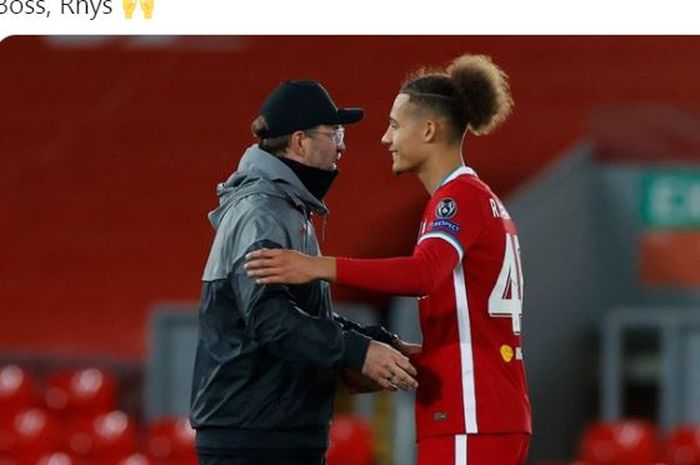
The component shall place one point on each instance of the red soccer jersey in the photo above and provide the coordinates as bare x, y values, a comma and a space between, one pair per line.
470, 373
466, 267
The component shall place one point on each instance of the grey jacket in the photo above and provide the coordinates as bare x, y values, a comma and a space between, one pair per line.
267, 356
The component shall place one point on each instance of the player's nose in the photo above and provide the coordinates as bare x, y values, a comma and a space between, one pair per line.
386, 138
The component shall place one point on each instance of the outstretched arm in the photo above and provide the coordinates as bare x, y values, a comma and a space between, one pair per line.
432, 262
283, 266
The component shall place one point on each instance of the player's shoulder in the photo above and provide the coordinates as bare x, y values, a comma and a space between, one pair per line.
464, 187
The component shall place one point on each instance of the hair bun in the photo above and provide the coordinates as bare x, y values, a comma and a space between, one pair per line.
482, 90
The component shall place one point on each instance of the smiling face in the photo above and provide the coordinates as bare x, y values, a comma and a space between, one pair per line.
404, 136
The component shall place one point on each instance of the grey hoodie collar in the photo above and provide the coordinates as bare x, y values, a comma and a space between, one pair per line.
270, 167
262, 172
278, 177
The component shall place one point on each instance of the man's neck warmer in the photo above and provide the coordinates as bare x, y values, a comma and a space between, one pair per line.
316, 180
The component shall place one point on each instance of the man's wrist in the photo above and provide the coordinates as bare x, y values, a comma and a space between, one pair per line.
327, 269
381, 334
356, 346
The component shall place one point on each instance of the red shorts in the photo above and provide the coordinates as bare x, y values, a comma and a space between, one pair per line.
474, 449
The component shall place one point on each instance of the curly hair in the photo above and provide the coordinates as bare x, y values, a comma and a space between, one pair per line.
472, 93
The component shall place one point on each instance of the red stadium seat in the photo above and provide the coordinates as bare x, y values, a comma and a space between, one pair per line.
7, 460
350, 442
172, 439
626, 442
135, 459
105, 439
79, 394
682, 446
56, 458
8, 441
16, 392
114, 436
36, 433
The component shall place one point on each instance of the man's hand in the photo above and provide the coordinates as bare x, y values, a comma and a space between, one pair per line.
407, 348
388, 368
280, 266
358, 383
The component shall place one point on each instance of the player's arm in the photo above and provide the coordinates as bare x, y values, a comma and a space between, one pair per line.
453, 221
440, 249
419, 274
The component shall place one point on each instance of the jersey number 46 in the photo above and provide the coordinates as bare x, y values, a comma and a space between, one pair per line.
506, 299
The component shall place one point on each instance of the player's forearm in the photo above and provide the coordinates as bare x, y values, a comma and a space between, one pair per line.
391, 275
417, 275
325, 268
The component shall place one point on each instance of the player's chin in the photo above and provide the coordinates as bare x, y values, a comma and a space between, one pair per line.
398, 170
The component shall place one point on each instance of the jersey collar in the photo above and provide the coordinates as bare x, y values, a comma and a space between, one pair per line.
459, 171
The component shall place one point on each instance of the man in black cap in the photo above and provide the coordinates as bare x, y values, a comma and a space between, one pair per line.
268, 356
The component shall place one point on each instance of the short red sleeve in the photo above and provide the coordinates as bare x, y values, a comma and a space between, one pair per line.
455, 214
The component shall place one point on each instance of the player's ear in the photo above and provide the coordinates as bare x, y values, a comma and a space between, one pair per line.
430, 129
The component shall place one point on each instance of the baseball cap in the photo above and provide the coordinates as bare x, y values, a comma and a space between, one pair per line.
301, 105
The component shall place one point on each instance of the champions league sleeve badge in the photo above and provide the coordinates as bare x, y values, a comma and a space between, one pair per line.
446, 208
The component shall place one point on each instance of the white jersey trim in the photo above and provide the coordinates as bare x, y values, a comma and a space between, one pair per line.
462, 170
461, 449
447, 238
465, 351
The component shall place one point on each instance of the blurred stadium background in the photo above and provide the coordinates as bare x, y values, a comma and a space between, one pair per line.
111, 148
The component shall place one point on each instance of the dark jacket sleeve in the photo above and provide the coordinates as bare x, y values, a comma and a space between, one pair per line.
375, 332
271, 316
285, 330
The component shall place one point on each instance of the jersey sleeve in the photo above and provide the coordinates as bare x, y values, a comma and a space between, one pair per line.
431, 263
452, 222
455, 214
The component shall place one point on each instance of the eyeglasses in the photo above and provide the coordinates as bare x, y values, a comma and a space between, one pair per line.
338, 135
